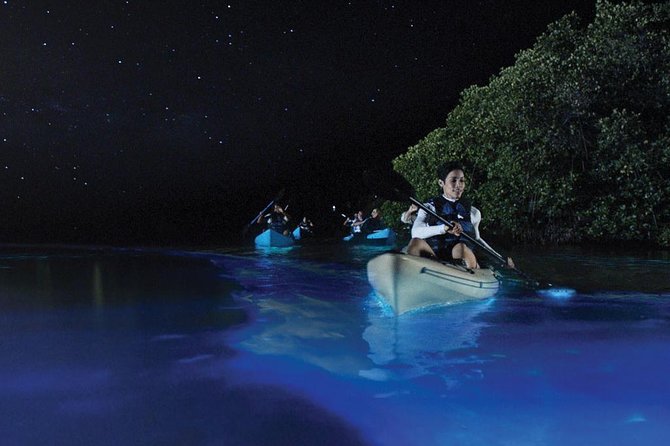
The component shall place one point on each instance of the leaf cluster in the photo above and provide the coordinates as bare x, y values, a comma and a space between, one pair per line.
572, 142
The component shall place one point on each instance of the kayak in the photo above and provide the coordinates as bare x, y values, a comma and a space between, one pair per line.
270, 238
299, 234
380, 237
409, 282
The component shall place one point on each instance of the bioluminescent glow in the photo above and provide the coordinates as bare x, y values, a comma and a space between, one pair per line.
292, 346
557, 293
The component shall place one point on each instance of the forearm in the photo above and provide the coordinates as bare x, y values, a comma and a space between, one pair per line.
421, 228
406, 218
425, 232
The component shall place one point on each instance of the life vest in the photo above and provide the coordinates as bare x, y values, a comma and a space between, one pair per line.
452, 211
305, 226
356, 229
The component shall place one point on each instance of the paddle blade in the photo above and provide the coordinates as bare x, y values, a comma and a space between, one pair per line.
557, 293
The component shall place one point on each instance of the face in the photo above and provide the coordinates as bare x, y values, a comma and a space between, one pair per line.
374, 213
454, 185
360, 214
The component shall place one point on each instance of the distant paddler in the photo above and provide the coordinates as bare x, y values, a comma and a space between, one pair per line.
355, 223
276, 219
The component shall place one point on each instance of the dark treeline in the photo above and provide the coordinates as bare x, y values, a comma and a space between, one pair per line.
572, 142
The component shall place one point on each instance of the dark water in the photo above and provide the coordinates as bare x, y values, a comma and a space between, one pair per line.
291, 347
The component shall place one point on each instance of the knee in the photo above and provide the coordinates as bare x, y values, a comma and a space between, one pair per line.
416, 246
469, 256
458, 251
415, 241
411, 247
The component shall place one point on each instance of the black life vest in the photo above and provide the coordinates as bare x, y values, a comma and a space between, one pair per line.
305, 226
453, 211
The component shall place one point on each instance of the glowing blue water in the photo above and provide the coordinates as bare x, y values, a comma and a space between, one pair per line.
291, 347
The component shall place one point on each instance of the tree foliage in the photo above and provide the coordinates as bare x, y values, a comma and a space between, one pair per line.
572, 142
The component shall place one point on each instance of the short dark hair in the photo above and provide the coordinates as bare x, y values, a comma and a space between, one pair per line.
447, 167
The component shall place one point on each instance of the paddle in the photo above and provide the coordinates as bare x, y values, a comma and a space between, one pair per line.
260, 214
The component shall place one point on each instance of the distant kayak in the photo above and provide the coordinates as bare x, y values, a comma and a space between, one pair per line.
302, 234
409, 282
380, 237
270, 238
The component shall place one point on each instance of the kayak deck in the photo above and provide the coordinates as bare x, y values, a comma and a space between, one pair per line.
409, 282
378, 237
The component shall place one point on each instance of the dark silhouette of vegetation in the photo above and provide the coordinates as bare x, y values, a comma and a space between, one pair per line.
572, 142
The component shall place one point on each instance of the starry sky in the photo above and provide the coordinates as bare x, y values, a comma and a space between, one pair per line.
154, 122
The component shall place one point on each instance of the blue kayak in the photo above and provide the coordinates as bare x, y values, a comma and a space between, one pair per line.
302, 234
270, 238
380, 237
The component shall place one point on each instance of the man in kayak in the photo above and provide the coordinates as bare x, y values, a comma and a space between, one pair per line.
276, 219
306, 226
374, 222
431, 238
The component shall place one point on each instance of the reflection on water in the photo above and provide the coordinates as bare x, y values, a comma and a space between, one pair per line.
308, 311
65, 278
307, 329
290, 346
598, 269
98, 291
402, 340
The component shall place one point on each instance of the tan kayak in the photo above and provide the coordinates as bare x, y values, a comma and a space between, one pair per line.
409, 282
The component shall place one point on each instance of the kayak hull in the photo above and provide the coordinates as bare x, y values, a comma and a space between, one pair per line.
380, 237
270, 238
408, 282
302, 235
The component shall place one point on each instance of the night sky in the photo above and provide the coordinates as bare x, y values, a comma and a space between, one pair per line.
166, 122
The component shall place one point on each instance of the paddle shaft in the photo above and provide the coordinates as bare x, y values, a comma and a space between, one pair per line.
450, 225
490, 251
279, 195
261, 213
